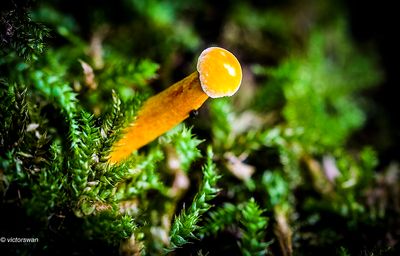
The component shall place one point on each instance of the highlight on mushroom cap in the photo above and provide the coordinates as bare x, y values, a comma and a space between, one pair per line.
220, 72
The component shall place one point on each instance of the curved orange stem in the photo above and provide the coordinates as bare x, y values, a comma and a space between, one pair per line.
159, 114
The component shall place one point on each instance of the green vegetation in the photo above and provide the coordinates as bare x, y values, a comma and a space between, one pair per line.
285, 167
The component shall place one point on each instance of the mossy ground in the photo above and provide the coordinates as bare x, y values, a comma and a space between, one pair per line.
303, 160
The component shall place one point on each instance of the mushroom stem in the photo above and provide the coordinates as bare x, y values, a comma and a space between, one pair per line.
159, 114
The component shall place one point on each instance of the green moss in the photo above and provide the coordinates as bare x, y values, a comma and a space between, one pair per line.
292, 167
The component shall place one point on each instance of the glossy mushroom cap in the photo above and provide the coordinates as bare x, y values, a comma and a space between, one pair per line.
220, 72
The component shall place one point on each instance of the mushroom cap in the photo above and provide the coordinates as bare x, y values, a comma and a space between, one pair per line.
220, 72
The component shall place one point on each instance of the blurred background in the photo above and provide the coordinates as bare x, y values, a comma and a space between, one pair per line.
260, 33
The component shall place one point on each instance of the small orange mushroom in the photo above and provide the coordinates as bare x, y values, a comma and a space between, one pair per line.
218, 74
